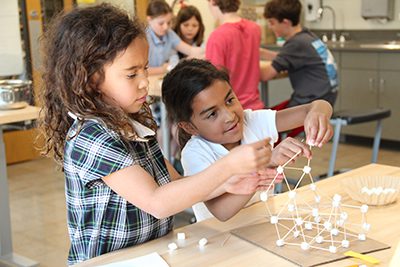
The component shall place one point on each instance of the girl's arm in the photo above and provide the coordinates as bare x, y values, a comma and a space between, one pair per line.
139, 188
315, 118
158, 70
191, 51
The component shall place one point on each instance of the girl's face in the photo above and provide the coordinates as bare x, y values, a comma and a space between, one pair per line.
125, 79
189, 29
160, 24
217, 115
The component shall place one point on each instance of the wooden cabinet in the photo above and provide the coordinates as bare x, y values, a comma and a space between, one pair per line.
371, 80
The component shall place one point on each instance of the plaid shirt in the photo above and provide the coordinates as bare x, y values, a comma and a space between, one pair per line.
99, 220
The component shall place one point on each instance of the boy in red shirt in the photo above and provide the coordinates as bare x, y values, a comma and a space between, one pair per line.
235, 45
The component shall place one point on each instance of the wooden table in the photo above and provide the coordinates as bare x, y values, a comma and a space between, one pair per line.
6, 251
385, 221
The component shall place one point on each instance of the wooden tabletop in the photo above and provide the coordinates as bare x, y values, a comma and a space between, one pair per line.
220, 251
16, 115
155, 84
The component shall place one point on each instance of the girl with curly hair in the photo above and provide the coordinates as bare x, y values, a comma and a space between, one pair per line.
120, 191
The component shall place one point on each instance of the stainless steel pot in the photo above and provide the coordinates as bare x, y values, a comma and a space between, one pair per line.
15, 94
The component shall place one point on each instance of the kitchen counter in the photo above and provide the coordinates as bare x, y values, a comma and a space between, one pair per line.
224, 249
359, 46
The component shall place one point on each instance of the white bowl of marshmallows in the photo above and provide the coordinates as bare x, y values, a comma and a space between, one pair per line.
373, 190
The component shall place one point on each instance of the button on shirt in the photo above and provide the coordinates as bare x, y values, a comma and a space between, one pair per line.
161, 48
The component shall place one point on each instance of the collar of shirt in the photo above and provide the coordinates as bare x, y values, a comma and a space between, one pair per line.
156, 39
141, 130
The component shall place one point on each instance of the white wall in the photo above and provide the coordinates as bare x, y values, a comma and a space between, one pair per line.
348, 16
10, 43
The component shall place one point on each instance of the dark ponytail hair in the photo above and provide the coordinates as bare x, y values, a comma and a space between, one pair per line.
182, 84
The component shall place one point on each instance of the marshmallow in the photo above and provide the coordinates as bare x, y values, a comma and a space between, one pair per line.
290, 207
366, 226
344, 216
172, 246
280, 242
364, 208
274, 219
313, 187
315, 212
292, 194
203, 242
332, 249
362, 237
308, 226
279, 169
345, 243
299, 221
319, 239
181, 236
328, 225
334, 231
307, 169
296, 233
304, 246
337, 198
264, 196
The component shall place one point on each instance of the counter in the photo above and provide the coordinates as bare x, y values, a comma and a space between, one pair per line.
357, 46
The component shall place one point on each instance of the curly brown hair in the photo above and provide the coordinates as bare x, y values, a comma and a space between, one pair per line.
76, 47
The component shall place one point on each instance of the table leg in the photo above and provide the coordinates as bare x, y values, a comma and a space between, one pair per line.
6, 253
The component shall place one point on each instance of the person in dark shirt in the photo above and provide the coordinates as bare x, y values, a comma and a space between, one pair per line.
307, 60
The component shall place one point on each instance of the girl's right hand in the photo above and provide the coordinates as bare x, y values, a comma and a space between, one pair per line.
250, 158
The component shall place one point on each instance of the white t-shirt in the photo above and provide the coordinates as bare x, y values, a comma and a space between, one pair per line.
199, 153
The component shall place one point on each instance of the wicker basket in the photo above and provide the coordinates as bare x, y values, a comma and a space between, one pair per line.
373, 190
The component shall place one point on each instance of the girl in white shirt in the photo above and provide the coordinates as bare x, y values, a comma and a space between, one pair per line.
211, 122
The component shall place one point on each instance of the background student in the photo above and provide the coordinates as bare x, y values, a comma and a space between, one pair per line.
309, 63
164, 42
235, 45
189, 27
120, 191
212, 122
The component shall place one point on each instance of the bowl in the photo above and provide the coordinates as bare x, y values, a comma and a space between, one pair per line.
373, 190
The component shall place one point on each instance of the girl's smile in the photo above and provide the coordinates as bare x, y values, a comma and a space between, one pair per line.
217, 115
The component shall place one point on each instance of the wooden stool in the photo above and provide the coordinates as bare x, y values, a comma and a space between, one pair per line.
349, 117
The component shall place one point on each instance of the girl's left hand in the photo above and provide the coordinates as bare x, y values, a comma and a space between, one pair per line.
317, 128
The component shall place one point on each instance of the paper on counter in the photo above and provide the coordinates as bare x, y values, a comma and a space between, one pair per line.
152, 259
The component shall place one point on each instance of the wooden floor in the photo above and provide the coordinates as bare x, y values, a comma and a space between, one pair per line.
38, 211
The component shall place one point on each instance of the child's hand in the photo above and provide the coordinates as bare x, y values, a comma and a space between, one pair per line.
287, 149
249, 184
317, 128
249, 158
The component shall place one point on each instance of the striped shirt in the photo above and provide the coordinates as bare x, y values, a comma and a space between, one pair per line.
99, 220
